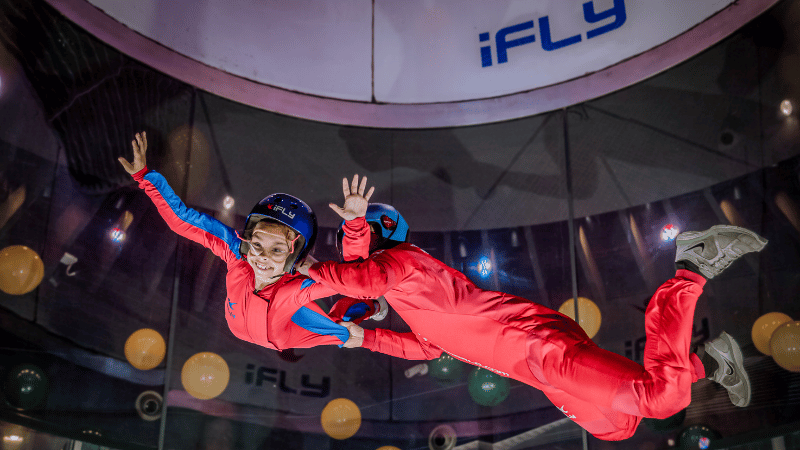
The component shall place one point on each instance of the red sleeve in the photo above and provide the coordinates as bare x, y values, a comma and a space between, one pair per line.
355, 242
360, 279
198, 227
401, 345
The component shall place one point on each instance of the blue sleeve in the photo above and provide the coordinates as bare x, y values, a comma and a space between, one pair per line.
187, 222
319, 324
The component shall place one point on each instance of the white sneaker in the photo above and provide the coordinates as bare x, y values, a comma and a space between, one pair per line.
712, 251
731, 373
383, 309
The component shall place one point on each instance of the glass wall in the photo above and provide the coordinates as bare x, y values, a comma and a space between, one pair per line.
584, 202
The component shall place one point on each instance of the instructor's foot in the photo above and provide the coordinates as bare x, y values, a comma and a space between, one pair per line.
381, 309
731, 373
712, 251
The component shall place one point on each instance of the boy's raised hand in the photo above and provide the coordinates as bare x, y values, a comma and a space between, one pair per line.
139, 150
355, 202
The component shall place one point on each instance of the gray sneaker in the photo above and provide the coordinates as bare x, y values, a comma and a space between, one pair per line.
382, 311
731, 373
713, 250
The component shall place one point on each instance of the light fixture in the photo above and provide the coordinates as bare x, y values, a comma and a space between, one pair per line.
514, 239
117, 235
484, 266
669, 232
228, 202
787, 107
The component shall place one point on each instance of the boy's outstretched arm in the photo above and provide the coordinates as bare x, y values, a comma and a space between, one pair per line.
185, 221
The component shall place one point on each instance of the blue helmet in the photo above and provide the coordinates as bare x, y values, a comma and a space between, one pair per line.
287, 210
386, 219
392, 225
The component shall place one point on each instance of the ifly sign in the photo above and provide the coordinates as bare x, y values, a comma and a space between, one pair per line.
429, 51
520, 34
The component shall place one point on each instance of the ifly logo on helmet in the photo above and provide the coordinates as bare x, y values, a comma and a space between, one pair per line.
281, 210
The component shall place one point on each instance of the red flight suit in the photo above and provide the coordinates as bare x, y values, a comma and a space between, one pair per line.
603, 392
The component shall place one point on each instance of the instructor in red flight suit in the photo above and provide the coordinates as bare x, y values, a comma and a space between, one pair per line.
603, 392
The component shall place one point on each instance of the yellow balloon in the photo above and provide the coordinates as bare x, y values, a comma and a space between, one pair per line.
21, 270
145, 349
763, 328
785, 346
205, 375
341, 418
588, 311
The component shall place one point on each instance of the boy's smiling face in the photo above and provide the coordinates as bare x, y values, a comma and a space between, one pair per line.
270, 246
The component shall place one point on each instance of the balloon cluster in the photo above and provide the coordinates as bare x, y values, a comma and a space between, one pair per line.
204, 376
776, 334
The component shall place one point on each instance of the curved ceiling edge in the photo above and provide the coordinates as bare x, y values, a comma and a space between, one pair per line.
432, 115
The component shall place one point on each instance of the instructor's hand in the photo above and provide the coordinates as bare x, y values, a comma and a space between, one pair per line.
355, 202
356, 335
139, 150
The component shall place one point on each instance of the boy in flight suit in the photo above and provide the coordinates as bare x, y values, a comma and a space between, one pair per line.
268, 303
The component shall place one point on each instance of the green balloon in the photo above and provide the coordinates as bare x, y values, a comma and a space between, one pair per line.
672, 422
446, 368
26, 386
487, 388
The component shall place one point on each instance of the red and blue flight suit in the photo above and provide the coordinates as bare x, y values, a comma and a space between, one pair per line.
603, 392
283, 315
